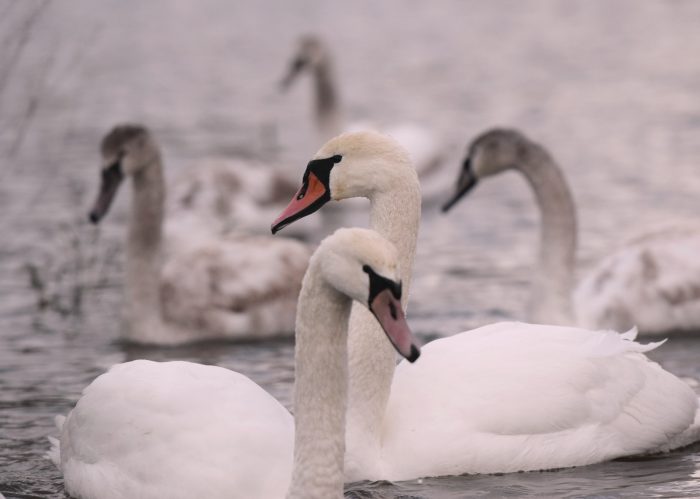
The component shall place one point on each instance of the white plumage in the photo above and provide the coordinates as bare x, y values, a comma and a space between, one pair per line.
516, 397
178, 430
182, 430
503, 398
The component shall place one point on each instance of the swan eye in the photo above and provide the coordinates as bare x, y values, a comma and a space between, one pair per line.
337, 158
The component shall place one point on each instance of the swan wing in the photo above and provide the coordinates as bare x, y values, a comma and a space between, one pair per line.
653, 283
229, 195
513, 396
237, 287
178, 430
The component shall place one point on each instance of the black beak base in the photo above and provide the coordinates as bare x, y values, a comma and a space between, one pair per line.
111, 179
465, 183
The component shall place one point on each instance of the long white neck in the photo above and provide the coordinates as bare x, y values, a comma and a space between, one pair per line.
143, 253
395, 214
554, 275
320, 394
327, 102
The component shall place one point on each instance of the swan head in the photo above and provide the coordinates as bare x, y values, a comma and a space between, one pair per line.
354, 164
310, 54
491, 153
362, 265
126, 150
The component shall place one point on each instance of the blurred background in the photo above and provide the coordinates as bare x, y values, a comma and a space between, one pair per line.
610, 87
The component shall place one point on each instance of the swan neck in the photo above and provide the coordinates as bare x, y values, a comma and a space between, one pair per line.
320, 392
144, 242
395, 214
553, 282
327, 100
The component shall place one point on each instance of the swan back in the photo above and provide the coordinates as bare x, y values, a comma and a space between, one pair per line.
182, 430
568, 397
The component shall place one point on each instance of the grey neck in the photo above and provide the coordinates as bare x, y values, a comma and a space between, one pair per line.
327, 100
396, 216
143, 307
320, 393
554, 275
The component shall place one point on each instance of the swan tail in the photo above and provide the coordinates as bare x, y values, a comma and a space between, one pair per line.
687, 437
54, 453
631, 336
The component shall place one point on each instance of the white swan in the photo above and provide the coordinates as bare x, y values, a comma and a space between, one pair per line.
502, 398
652, 283
312, 55
182, 430
196, 286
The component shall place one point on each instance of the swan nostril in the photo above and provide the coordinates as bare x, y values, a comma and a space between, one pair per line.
392, 311
301, 196
94, 217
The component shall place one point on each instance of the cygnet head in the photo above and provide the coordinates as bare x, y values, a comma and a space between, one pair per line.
126, 150
354, 164
492, 152
310, 54
364, 266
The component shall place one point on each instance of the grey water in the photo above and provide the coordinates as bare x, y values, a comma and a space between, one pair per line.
610, 86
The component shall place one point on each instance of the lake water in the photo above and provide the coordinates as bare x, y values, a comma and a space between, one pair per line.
610, 86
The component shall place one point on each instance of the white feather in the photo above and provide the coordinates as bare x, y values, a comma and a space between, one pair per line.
653, 282
516, 397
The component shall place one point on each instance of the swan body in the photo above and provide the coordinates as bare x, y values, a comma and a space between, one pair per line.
517, 397
503, 398
652, 283
312, 55
180, 430
189, 284
175, 429
229, 196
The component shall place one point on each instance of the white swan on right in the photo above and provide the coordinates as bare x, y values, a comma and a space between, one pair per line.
313, 56
502, 398
653, 282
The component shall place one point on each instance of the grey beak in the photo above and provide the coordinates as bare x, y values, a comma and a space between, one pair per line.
466, 181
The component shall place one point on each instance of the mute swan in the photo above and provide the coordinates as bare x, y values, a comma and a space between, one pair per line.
184, 430
502, 398
235, 287
653, 282
312, 55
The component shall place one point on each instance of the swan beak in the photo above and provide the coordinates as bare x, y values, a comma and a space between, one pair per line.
386, 308
311, 196
465, 183
111, 178
294, 69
